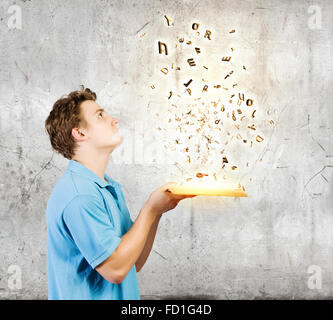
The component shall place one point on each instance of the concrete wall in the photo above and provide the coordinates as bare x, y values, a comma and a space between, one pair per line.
221, 248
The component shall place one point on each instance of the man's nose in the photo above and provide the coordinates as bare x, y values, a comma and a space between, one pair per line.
114, 121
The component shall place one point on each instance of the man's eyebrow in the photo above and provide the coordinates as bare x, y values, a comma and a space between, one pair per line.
98, 110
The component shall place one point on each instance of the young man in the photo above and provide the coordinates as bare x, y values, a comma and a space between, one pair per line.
94, 248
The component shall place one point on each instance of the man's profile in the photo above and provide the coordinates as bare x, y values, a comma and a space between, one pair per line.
94, 248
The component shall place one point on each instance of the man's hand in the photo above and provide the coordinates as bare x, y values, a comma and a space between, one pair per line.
162, 200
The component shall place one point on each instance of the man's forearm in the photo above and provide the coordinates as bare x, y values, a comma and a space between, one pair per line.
148, 246
132, 243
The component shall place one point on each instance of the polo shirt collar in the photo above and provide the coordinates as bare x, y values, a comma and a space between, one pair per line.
83, 171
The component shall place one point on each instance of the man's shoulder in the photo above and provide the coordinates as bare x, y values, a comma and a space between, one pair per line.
80, 184
70, 186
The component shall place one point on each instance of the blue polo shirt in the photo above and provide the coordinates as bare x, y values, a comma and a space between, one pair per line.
86, 218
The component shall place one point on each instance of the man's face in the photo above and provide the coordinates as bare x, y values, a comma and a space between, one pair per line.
101, 129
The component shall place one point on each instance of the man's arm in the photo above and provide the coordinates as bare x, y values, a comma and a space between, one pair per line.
119, 263
116, 267
148, 245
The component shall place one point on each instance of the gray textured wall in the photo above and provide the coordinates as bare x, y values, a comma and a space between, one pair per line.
223, 248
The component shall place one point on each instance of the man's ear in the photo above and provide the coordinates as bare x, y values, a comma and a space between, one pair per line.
79, 134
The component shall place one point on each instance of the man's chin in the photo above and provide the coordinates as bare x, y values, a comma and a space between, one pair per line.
117, 143
121, 139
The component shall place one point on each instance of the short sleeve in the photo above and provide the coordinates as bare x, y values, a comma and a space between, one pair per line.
91, 229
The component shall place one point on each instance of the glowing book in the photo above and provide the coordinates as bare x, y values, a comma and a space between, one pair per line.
204, 188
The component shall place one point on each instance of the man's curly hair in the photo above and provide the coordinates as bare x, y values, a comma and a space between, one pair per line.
64, 116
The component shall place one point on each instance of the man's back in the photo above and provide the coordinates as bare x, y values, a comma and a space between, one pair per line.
86, 218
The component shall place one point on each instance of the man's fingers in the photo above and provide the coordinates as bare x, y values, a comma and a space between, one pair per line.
190, 196
168, 185
181, 197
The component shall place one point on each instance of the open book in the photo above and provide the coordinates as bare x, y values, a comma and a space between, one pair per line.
200, 187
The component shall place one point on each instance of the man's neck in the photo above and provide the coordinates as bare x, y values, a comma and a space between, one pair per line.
97, 163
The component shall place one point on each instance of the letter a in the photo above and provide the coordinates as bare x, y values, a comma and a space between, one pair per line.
15, 279
314, 281
15, 21
314, 21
